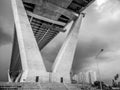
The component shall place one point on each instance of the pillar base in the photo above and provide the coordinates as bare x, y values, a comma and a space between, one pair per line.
35, 76
56, 77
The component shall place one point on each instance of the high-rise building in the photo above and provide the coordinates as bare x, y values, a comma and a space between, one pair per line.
81, 77
91, 77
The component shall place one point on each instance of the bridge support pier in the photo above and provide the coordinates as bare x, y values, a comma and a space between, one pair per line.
31, 59
63, 63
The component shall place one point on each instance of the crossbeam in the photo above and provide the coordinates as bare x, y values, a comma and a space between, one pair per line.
52, 7
45, 19
38, 2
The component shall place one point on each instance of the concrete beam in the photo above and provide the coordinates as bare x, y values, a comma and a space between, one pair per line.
9, 78
57, 9
31, 59
38, 2
52, 7
63, 62
45, 19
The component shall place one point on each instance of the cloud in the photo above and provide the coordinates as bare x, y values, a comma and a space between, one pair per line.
6, 22
108, 9
112, 55
100, 2
4, 37
86, 52
5, 56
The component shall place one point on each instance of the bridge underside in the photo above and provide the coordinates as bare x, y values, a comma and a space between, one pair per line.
37, 22
49, 17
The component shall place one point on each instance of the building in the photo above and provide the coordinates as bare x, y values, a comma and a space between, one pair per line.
91, 77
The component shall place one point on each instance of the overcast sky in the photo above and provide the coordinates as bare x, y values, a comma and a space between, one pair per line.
100, 29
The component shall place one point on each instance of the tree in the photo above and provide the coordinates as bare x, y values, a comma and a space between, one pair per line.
116, 76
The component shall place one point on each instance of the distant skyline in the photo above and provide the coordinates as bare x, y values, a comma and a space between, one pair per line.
100, 29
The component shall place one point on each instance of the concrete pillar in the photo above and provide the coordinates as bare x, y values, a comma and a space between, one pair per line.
9, 79
63, 63
31, 59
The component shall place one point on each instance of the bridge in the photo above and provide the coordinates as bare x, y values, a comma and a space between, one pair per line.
36, 23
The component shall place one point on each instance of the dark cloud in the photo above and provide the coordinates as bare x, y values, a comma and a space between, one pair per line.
5, 56
86, 50
4, 37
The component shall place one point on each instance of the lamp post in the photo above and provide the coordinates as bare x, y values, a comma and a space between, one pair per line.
97, 64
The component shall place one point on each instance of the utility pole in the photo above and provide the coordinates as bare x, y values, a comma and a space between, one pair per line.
97, 64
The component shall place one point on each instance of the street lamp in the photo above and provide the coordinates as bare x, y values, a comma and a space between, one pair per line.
97, 64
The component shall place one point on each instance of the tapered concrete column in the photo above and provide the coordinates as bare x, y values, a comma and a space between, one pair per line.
31, 59
63, 63
9, 79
